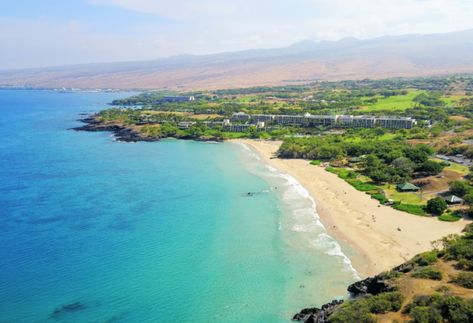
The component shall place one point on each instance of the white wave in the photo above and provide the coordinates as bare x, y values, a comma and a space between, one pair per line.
293, 190
244, 146
332, 248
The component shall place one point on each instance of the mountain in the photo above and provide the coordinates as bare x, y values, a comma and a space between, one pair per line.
349, 58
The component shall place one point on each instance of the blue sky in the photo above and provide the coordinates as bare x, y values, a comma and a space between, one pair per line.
51, 32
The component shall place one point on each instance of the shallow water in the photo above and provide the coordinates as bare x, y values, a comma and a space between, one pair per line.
94, 230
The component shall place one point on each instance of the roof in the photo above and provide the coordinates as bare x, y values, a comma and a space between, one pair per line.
407, 187
453, 199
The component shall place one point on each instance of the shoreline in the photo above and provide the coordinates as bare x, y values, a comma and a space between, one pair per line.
381, 236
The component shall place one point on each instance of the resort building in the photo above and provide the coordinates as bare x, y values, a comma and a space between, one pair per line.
315, 120
186, 124
240, 117
290, 120
364, 122
255, 118
342, 121
395, 122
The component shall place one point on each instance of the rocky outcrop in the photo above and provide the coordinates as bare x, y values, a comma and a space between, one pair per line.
371, 285
126, 134
121, 133
317, 315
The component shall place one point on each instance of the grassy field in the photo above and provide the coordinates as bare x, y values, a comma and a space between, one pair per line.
385, 137
397, 102
402, 102
403, 197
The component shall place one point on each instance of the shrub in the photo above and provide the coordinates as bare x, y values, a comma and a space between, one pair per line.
459, 188
361, 186
361, 310
436, 206
465, 280
450, 217
437, 308
426, 258
348, 313
316, 162
410, 208
385, 302
427, 273
424, 314
380, 197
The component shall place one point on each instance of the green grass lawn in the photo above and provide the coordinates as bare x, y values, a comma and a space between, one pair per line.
450, 100
396, 102
359, 139
412, 198
403, 102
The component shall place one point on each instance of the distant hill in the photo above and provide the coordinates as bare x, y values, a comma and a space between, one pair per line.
408, 55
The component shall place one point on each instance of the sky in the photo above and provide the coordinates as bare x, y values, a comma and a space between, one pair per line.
38, 33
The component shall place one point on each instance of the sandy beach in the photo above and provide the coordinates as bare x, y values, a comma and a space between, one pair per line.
381, 236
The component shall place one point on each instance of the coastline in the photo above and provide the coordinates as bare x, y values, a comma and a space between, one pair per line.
381, 236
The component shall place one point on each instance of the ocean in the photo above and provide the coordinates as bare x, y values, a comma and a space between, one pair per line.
94, 230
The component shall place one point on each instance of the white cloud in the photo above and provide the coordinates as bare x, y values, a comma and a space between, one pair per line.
268, 23
206, 26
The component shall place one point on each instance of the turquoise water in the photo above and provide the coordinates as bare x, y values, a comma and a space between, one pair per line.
149, 232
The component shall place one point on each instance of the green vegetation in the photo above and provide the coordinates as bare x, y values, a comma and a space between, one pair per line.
410, 208
427, 273
402, 101
464, 279
380, 197
440, 308
426, 258
363, 309
316, 162
450, 216
436, 206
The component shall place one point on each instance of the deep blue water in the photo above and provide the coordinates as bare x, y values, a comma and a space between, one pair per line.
148, 232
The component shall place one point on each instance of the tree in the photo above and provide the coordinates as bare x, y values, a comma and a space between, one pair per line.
436, 206
459, 188
418, 154
430, 167
403, 166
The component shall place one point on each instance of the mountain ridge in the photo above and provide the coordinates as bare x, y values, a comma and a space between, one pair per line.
350, 58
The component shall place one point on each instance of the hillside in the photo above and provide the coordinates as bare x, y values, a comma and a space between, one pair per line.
409, 55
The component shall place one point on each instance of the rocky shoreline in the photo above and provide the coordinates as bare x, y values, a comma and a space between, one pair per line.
125, 134
369, 286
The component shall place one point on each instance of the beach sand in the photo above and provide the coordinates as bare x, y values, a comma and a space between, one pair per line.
381, 236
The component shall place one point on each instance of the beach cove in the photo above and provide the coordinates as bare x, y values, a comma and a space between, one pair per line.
381, 236
99, 230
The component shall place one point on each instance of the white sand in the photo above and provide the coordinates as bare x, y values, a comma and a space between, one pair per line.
353, 216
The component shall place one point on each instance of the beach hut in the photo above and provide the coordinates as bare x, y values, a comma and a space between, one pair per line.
453, 199
407, 187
